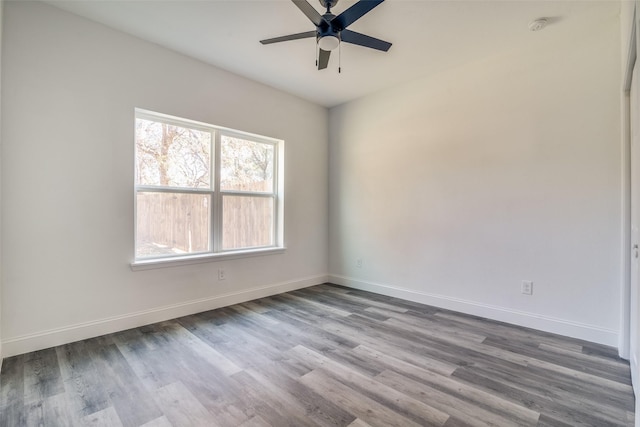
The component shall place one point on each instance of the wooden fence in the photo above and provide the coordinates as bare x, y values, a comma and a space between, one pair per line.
170, 223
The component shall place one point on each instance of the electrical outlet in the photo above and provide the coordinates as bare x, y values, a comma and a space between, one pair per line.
221, 274
359, 263
527, 287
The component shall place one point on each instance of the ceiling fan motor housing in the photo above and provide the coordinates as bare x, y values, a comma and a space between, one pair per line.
325, 28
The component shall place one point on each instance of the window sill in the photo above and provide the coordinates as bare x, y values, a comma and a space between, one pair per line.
150, 264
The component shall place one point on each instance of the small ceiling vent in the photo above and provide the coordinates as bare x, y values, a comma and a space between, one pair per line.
538, 24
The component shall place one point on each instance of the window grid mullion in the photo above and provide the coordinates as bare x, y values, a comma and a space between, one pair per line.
154, 189
276, 186
246, 194
216, 220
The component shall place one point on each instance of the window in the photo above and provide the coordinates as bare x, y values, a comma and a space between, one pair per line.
202, 190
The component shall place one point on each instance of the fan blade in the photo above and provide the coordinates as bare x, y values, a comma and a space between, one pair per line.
309, 11
354, 13
323, 60
297, 36
364, 40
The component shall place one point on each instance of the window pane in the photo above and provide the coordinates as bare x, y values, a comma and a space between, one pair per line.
246, 165
172, 156
247, 222
172, 223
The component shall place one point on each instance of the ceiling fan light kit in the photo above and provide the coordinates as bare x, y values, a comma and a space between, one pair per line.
331, 30
328, 42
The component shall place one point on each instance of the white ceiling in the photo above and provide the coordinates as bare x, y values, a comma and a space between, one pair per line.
428, 36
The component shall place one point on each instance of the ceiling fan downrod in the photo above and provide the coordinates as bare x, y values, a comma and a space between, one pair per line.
328, 4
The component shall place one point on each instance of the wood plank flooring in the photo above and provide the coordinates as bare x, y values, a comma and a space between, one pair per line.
321, 356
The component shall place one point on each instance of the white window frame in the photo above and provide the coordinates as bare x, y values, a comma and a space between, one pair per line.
215, 251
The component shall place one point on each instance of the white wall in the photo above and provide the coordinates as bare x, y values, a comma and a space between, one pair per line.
70, 87
455, 188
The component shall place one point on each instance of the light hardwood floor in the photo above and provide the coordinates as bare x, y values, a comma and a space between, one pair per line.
321, 356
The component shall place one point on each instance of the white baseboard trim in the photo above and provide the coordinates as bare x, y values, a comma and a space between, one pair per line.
531, 320
54, 337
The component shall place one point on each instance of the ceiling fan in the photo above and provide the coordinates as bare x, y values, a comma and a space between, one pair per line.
331, 29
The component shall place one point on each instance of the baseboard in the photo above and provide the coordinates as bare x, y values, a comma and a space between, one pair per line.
59, 336
531, 320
